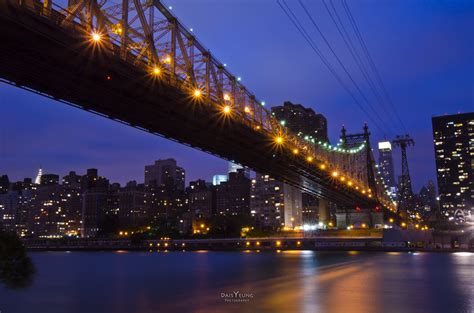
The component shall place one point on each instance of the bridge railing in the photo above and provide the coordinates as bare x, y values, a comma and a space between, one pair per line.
149, 36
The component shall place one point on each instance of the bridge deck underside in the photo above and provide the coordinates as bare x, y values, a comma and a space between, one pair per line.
42, 56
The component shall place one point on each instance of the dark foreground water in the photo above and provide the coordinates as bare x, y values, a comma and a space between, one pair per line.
291, 281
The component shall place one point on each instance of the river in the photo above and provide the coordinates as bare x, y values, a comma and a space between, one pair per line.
206, 281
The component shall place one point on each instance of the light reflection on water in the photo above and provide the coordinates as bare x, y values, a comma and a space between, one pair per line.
288, 281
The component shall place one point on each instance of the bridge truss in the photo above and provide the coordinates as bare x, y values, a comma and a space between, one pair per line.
147, 36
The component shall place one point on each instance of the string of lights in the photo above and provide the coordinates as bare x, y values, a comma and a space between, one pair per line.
197, 78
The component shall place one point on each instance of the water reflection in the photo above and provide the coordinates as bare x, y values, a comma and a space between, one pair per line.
289, 281
16, 268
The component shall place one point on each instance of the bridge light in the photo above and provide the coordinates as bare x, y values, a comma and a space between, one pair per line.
349, 183
363, 225
226, 97
335, 174
279, 140
295, 151
363, 191
298, 243
167, 59
342, 178
257, 243
309, 159
370, 196
322, 166
96, 37
247, 109
226, 109
403, 224
197, 93
247, 243
278, 243
156, 70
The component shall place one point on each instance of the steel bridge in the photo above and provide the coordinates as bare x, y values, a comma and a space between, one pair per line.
134, 62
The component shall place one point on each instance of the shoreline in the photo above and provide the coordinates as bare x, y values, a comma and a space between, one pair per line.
101, 249
243, 244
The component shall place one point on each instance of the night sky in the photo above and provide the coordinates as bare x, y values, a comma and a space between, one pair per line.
423, 50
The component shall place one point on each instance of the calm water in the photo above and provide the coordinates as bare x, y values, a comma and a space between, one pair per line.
292, 281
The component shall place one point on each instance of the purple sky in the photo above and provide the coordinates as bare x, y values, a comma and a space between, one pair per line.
423, 49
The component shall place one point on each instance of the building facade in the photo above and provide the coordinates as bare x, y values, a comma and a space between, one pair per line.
275, 204
385, 165
302, 121
267, 200
201, 199
233, 196
165, 173
453, 137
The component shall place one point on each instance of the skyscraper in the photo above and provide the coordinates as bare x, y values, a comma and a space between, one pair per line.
132, 205
200, 199
386, 163
95, 202
453, 137
38, 177
165, 173
275, 204
164, 187
302, 121
233, 196
267, 200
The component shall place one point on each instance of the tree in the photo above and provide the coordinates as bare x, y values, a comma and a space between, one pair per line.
16, 268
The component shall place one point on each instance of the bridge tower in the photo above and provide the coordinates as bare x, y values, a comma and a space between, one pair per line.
405, 193
360, 215
356, 139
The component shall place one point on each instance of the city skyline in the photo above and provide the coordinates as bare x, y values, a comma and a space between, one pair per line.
237, 156
59, 138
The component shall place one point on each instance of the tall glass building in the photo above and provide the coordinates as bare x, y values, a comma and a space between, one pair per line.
386, 163
453, 137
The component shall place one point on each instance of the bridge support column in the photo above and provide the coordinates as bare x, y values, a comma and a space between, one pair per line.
323, 211
341, 218
377, 219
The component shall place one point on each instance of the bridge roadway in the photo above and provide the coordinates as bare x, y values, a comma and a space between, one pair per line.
39, 55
